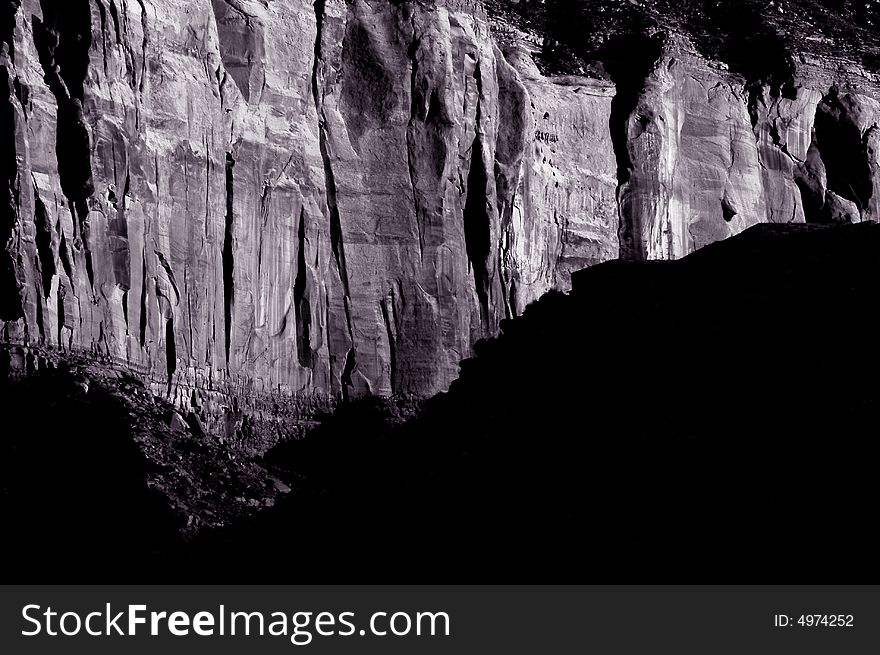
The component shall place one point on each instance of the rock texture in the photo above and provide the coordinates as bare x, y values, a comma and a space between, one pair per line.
239, 197
701, 145
287, 197
692, 172
819, 151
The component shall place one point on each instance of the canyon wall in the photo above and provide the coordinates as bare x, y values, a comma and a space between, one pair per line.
706, 155
253, 197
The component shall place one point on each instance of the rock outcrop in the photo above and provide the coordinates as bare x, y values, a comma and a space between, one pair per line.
243, 197
287, 197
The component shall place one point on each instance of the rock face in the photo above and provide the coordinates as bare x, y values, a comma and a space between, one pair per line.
700, 147
693, 173
818, 149
254, 197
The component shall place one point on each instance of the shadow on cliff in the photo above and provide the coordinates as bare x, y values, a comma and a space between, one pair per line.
711, 419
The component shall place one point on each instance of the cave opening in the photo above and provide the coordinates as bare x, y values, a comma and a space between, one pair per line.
840, 143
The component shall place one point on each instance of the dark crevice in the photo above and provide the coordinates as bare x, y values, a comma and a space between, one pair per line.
62, 40
80, 212
302, 307
435, 113
839, 140
336, 234
336, 243
229, 253
170, 273
477, 219
416, 99
41, 325
170, 349
73, 151
330, 352
629, 62
144, 304
43, 239
62, 315
65, 256
812, 202
728, 210
754, 101
145, 30
23, 93
810, 179
415, 102
347, 373
330, 179
114, 14
476, 226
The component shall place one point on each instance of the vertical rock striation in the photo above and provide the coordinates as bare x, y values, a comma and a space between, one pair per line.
691, 173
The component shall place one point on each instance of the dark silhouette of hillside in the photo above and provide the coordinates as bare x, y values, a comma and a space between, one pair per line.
74, 506
101, 481
711, 419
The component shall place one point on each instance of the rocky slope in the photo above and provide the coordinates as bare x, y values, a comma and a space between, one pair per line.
242, 197
98, 474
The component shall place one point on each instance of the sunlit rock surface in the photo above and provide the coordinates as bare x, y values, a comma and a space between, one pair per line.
239, 198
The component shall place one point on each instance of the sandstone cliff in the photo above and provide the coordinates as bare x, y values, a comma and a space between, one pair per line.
245, 196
